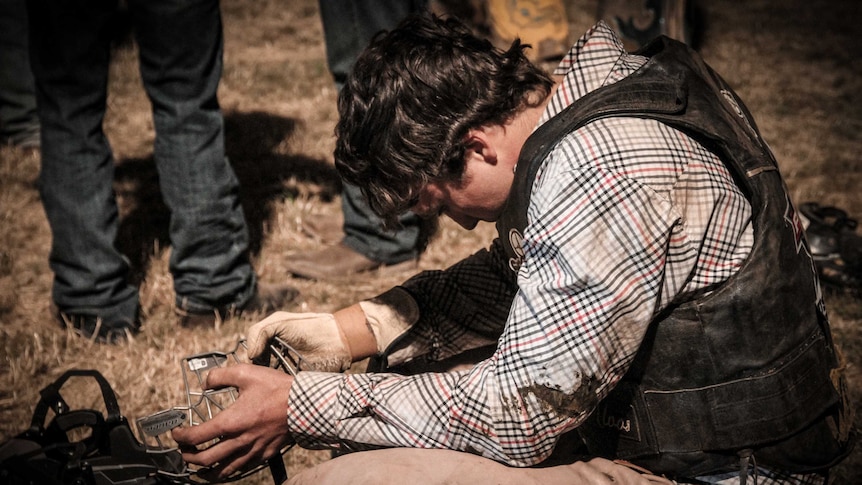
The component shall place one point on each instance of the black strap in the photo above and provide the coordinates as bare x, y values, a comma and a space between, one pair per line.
52, 399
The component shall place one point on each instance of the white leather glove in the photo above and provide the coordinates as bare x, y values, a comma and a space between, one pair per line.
316, 336
331, 342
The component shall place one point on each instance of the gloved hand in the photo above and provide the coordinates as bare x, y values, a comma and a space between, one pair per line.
331, 342
316, 336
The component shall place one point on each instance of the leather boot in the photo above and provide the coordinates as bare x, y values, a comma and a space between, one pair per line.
338, 261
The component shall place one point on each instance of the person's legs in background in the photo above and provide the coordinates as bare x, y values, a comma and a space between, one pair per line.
181, 62
348, 27
70, 52
181, 48
19, 121
180, 45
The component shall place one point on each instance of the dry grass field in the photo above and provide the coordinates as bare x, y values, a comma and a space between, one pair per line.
795, 63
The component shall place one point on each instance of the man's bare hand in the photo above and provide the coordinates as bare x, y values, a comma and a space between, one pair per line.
251, 430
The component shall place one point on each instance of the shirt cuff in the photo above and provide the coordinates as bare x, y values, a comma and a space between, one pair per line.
313, 408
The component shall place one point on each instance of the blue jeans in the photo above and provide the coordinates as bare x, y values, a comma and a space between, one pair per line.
180, 43
348, 27
19, 121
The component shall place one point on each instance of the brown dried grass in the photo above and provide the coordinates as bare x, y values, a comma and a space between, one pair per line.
791, 61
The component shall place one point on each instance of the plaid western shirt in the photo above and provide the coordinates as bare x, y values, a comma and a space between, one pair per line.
626, 216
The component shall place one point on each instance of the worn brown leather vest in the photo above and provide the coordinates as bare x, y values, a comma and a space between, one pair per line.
748, 369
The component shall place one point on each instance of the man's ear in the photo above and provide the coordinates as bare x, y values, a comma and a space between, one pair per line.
480, 144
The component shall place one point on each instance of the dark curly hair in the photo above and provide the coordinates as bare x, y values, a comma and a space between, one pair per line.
412, 97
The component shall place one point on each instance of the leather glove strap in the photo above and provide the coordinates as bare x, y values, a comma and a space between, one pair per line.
354, 330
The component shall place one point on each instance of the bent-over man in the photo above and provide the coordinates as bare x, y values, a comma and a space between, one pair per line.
650, 296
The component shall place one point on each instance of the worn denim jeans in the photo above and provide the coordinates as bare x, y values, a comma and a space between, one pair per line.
180, 44
348, 27
19, 121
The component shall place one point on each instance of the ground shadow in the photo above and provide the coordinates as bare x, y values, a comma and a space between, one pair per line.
254, 144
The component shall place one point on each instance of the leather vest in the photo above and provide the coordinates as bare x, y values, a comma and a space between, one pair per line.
748, 368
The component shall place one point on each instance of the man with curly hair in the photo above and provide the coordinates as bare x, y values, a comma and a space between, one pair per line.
650, 296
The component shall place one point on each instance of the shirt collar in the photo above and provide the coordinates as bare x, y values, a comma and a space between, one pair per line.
597, 59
